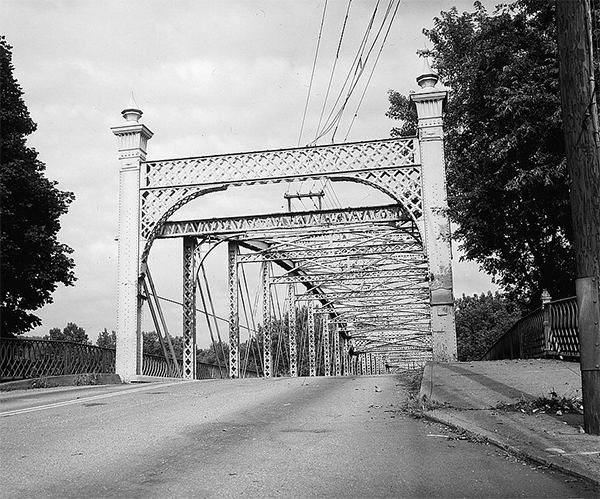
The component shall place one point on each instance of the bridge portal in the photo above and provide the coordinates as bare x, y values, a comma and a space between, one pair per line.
376, 279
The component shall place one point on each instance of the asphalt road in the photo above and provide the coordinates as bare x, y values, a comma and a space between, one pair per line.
292, 438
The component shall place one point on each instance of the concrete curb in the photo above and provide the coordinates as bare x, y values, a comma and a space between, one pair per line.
492, 438
65, 380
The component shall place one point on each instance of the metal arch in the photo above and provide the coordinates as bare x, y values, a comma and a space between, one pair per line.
390, 165
152, 235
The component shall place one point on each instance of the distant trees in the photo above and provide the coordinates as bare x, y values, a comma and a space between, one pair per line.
106, 339
152, 344
71, 332
481, 320
216, 354
32, 260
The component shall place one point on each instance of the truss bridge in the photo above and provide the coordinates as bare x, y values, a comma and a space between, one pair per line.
374, 282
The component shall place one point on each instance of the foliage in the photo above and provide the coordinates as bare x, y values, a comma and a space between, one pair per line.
71, 332
33, 262
506, 168
216, 354
403, 110
106, 339
481, 320
152, 346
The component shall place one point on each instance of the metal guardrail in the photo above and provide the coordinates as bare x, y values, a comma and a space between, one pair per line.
549, 331
155, 365
26, 358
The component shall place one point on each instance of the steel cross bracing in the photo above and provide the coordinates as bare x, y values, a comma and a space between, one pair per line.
365, 266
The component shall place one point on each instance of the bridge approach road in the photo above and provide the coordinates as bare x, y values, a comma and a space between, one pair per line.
285, 437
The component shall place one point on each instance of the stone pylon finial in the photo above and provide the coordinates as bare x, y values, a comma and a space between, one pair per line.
428, 77
132, 112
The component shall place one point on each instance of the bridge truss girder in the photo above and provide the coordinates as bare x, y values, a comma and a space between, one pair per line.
369, 277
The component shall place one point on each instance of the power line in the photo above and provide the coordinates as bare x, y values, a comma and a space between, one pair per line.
386, 15
373, 69
337, 56
359, 65
356, 63
313, 72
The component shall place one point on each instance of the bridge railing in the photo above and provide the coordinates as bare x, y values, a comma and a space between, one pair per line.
156, 365
26, 358
549, 331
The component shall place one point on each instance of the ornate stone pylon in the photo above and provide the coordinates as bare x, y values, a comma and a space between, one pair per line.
430, 103
133, 137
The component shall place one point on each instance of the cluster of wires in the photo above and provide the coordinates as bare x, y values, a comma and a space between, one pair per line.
366, 56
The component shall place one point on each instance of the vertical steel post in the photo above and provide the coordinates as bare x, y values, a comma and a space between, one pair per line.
312, 354
189, 307
132, 141
336, 348
344, 356
547, 320
234, 324
429, 103
266, 313
292, 330
326, 347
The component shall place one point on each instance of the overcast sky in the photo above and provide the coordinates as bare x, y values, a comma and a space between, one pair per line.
211, 76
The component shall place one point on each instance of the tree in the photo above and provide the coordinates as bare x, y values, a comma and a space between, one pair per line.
106, 339
152, 344
217, 354
506, 169
33, 262
481, 320
71, 332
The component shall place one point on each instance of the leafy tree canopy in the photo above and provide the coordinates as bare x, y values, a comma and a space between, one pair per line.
506, 169
106, 339
33, 262
71, 332
481, 320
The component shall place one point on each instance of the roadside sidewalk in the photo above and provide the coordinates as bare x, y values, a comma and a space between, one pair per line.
473, 397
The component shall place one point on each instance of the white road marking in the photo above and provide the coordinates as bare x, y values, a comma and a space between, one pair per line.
92, 397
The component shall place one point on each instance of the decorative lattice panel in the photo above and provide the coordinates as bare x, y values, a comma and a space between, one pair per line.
390, 165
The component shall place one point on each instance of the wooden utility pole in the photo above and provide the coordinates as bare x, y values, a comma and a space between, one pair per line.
582, 141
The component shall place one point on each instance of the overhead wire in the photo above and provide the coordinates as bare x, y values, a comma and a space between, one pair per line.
312, 76
337, 56
357, 63
364, 65
373, 68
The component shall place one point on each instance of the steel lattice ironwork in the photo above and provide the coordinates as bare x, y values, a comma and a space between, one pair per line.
389, 165
365, 267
